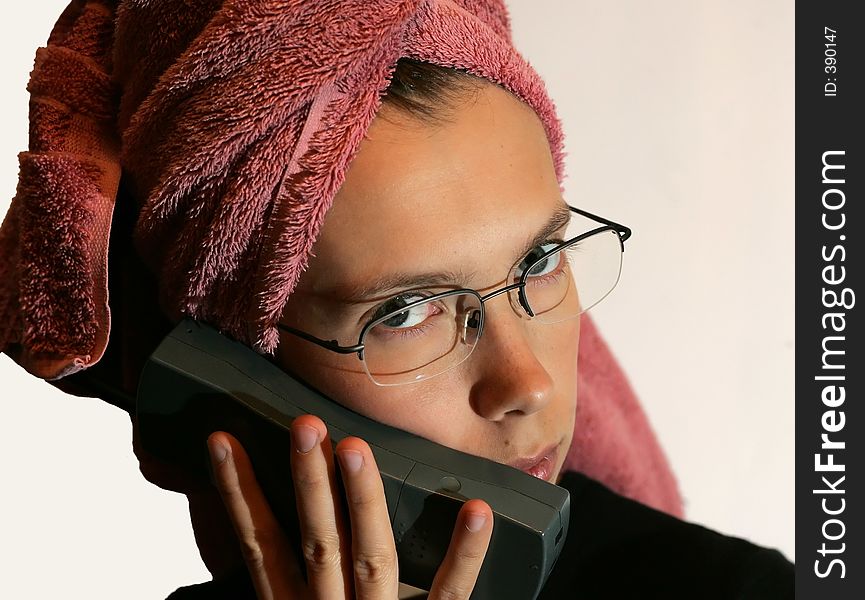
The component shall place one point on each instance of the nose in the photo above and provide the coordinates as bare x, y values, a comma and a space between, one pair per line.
508, 378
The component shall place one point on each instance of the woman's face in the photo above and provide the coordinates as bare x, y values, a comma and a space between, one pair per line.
463, 197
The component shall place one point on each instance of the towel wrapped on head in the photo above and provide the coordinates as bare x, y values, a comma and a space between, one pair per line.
215, 134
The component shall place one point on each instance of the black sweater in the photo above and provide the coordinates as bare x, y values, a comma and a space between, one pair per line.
619, 548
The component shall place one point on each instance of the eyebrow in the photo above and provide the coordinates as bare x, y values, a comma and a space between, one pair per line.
382, 287
558, 220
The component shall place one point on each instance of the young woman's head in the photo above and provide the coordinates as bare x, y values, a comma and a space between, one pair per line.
453, 187
230, 127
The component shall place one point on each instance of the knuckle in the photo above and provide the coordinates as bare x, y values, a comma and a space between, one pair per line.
257, 545
469, 555
231, 495
452, 591
252, 553
307, 479
322, 553
363, 501
228, 486
374, 567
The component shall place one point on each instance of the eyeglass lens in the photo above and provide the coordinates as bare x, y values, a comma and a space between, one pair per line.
431, 337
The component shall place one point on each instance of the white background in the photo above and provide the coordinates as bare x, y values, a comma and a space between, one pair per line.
679, 123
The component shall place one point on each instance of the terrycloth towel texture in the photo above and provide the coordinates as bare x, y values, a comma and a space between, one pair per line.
232, 123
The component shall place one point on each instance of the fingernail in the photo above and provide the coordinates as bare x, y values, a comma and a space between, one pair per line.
351, 460
218, 451
474, 521
305, 438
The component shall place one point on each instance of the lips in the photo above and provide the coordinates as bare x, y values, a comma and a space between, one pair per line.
540, 465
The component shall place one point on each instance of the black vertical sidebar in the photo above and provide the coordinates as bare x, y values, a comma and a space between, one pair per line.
830, 300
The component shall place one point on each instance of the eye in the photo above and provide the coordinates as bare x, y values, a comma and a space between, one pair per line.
548, 265
407, 318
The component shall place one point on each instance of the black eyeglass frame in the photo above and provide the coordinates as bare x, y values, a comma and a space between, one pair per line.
621, 231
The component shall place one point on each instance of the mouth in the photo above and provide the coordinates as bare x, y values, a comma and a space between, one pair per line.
539, 465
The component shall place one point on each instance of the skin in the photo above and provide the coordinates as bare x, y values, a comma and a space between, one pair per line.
465, 194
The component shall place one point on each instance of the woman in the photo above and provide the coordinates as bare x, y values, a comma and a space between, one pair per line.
455, 203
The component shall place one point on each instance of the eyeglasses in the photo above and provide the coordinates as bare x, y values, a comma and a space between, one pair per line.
418, 334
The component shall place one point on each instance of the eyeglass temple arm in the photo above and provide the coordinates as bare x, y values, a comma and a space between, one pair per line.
624, 232
332, 345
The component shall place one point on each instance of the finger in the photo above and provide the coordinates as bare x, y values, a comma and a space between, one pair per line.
272, 565
459, 570
325, 538
374, 559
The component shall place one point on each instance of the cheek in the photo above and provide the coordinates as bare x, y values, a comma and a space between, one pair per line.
343, 379
339, 377
556, 347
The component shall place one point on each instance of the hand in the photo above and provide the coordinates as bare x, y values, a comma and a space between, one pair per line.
356, 560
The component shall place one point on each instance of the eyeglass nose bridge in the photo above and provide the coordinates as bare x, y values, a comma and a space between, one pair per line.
474, 318
521, 296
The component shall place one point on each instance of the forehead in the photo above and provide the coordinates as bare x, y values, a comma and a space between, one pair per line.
461, 194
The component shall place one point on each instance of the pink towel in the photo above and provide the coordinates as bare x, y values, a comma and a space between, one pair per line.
232, 123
